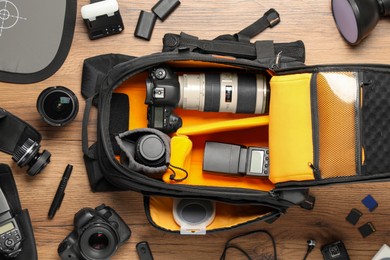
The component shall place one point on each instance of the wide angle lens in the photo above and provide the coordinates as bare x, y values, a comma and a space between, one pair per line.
58, 106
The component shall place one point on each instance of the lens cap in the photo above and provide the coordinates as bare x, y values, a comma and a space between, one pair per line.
150, 150
57, 106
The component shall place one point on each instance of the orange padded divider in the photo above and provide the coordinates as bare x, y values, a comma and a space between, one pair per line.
290, 129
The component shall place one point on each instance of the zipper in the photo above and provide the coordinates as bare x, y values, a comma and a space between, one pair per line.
358, 123
314, 121
332, 181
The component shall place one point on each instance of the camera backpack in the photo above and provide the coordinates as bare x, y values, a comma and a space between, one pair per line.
326, 125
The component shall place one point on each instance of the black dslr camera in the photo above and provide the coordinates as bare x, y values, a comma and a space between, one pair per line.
162, 96
97, 234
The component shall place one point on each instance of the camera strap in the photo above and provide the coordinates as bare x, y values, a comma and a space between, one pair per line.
8, 186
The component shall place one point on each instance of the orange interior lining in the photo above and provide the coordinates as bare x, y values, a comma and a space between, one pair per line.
291, 139
226, 215
247, 134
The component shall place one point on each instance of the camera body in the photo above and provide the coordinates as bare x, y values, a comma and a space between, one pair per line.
97, 234
162, 96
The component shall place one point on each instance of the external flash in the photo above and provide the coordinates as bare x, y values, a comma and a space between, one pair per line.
355, 19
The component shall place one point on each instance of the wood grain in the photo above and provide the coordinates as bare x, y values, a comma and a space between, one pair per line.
310, 21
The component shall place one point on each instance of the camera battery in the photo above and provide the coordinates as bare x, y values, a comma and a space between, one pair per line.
145, 25
164, 8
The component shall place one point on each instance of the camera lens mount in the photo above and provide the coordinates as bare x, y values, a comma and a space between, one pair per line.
28, 154
57, 106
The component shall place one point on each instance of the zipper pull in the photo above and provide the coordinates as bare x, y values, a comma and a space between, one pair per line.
367, 84
315, 169
273, 194
277, 61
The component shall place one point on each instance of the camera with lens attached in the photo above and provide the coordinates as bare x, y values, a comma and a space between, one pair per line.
246, 93
97, 234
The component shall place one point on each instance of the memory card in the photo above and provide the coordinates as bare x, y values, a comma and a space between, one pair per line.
370, 203
354, 216
367, 229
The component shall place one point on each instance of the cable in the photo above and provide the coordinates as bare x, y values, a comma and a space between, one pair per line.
173, 175
228, 246
310, 246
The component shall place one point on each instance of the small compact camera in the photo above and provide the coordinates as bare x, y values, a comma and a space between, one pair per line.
10, 233
97, 234
162, 96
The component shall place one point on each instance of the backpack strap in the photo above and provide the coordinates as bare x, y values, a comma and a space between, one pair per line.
238, 45
259, 50
268, 20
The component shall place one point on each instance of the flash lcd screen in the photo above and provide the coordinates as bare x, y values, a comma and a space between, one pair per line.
256, 163
7, 227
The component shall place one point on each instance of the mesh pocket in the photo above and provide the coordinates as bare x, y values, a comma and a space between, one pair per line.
338, 149
376, 122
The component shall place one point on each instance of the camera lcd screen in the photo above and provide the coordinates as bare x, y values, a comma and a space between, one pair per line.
158, 117
256, 161
7, 227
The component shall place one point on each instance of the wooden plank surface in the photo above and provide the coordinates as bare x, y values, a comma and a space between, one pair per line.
310, 21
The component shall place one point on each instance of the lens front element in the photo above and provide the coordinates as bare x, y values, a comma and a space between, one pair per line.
58, 106
98, 241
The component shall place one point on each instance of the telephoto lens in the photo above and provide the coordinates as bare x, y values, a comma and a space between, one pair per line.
224, 92
57, 106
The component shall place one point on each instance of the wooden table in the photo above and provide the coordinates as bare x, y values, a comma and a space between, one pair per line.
310, 21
